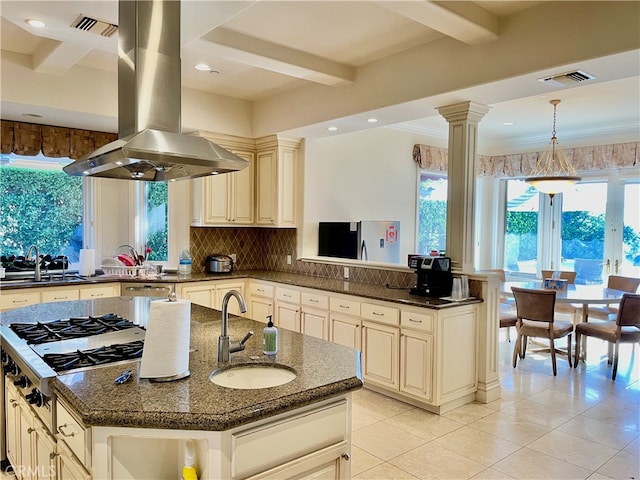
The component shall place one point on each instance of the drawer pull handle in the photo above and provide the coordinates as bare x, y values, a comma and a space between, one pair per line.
14, 403
63, 433
24, 300
53, 455
30, 430
285, 295
344, 306
415, 321
346, 456
313, 300
260, 290
97, 295
378, 314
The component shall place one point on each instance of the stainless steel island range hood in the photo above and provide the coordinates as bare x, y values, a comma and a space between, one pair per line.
150, 146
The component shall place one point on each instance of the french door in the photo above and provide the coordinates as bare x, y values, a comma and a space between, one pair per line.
594, 229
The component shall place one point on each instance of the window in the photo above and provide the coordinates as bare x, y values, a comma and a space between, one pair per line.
521, 228
153, 227
40, 205
432, 213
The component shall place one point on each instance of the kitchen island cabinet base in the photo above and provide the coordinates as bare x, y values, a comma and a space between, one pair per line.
416, 402
307, 442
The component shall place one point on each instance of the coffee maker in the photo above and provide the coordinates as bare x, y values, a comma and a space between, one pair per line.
434, 276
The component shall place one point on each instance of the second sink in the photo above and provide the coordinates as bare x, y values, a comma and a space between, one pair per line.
248, 377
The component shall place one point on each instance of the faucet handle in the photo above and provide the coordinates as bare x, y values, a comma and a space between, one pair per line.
246, 338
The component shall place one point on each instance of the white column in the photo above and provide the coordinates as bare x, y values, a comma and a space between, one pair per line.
463, 121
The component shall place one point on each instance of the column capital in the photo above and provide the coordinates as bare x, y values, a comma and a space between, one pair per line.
463, 111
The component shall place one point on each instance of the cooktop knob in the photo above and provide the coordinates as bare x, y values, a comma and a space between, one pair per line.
22, 382
35, 398
11, 368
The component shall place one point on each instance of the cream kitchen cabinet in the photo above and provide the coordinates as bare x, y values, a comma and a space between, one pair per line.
287, 309
102, 290
380, 344
69, 468
416, 354
12, 425
200, 293
19, 298
60, 294
276, 181
45, 451
260, 300
344, 321
314, 314
221, 290
29, 296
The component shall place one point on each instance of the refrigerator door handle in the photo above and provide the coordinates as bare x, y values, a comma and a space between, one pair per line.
364, 255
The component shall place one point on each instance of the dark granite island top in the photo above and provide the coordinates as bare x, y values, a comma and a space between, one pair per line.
323, 370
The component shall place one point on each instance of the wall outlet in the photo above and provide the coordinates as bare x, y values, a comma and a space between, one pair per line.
346, 272
233, 257
288, 259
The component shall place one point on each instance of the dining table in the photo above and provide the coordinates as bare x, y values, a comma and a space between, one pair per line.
584, 295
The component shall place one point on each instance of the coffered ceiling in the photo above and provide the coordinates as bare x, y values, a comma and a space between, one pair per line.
261, 51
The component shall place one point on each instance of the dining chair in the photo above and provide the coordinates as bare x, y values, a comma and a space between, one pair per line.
535, 311
575, 311
507, 311
609, 311
625, 329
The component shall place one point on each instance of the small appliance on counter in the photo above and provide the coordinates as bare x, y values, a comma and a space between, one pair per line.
217, 263
434, 278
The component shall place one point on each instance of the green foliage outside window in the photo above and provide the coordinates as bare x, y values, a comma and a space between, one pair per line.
38, 207
157, 225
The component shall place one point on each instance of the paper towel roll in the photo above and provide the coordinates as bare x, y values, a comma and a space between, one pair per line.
87, 262
166, 342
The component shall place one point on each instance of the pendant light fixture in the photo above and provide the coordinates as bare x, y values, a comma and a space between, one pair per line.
553, 172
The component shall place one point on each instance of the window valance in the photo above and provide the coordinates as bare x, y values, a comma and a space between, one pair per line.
585, 159
30, 139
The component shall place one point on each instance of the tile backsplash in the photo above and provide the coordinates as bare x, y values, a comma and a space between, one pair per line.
267, 249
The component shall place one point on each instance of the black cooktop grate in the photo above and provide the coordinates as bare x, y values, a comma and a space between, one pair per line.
77, 327
62, 362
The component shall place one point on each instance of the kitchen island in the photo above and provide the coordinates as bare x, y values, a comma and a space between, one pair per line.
301, 427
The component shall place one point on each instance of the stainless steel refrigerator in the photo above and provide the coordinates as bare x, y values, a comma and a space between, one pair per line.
374, 241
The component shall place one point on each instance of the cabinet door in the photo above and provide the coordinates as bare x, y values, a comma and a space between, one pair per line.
45, 452
99, 291
315, 323
287, 316
233, 305
216, 199
69, 468
345, 330
242, 206
267, 187
18, 298
199, 295
416, 364
26, 442
260, 308
380, 354
12, 418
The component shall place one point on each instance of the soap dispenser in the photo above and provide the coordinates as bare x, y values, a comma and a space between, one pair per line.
270, 338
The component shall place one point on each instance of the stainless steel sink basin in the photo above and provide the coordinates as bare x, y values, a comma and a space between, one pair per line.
248, 377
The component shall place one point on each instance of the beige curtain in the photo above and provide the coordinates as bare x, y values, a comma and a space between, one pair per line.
30, 139
585, 159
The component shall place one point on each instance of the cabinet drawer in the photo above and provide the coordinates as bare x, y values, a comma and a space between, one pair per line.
103, 291
379, 313
72, 432
416, 321
275, 443
344, 306
315, 300
261, 290
287, 295
15, 300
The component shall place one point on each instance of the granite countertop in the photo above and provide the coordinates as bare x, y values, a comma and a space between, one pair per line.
365, 290
323, 370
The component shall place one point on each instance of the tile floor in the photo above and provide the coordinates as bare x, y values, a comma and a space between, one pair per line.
577, 425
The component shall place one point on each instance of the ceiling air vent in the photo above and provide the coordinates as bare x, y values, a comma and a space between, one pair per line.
567, 79
93, 25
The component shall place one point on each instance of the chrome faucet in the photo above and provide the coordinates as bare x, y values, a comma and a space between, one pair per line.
37, 276
225, 347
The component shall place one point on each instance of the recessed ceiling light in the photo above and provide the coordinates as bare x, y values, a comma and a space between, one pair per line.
203, 67
332, 129
215, 172
508, 124
372, 120
36, 23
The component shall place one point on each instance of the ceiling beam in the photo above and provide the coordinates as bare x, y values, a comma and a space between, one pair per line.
58, 57
277, 58
464, 21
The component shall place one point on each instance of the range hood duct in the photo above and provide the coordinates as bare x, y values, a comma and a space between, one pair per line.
150, 146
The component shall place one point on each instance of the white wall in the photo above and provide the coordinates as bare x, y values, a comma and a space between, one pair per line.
368, 175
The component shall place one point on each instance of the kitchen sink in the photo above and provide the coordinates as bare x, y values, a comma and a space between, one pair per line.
246, 377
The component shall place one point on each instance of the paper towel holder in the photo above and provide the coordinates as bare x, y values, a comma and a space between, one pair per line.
179, 376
